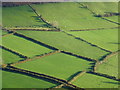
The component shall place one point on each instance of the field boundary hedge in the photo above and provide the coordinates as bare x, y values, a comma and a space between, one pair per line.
12, 51
78, 56
104, 75
40, 16
78, 38
105, 59
38, 75
75, 76
95, 29
36, 57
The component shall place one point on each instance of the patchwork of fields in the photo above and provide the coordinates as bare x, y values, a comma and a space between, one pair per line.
60, 45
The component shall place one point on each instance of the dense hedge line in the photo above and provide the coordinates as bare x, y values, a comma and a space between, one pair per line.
38, 75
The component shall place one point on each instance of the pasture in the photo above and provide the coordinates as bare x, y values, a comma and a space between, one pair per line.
14, 80
58, 65
23, 46
93, 81
65, 42
70, 16
106, 39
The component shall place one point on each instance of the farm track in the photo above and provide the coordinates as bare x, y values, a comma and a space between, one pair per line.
40, 76
78, 38
7, 34
36, 57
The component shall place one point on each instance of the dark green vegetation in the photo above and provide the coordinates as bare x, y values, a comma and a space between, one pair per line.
77, 54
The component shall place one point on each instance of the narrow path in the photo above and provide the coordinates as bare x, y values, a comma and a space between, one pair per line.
39, 76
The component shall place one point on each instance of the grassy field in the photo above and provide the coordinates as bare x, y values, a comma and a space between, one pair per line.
20, 16
62, 41
3, 32
113, 18
110, 67
58, 65
107, 39
14, 80
102, 7
94, 81
69, 16
23, 46
8, 57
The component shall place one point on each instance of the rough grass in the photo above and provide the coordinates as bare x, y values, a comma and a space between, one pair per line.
65, 42
58, 65
8, 57
14, 80
20, 16
23, 46
110, 67
107, 39
93, 81
70, 16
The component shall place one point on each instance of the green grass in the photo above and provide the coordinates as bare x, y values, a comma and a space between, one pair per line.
107, 39
94, 81
14, 80
102, 7
110, 67
20, 16
23, 46
3, 32
69, 16
8, 57
58, 65
62, 41
113, 18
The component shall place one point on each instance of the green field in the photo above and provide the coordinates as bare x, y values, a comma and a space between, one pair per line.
113, 18
94, 81
23, 46
59, 39
110, 67
14, 80
3, 32
58, 65
69, 16
107, 39
20, 16
8, 57
62, 41
102, 7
